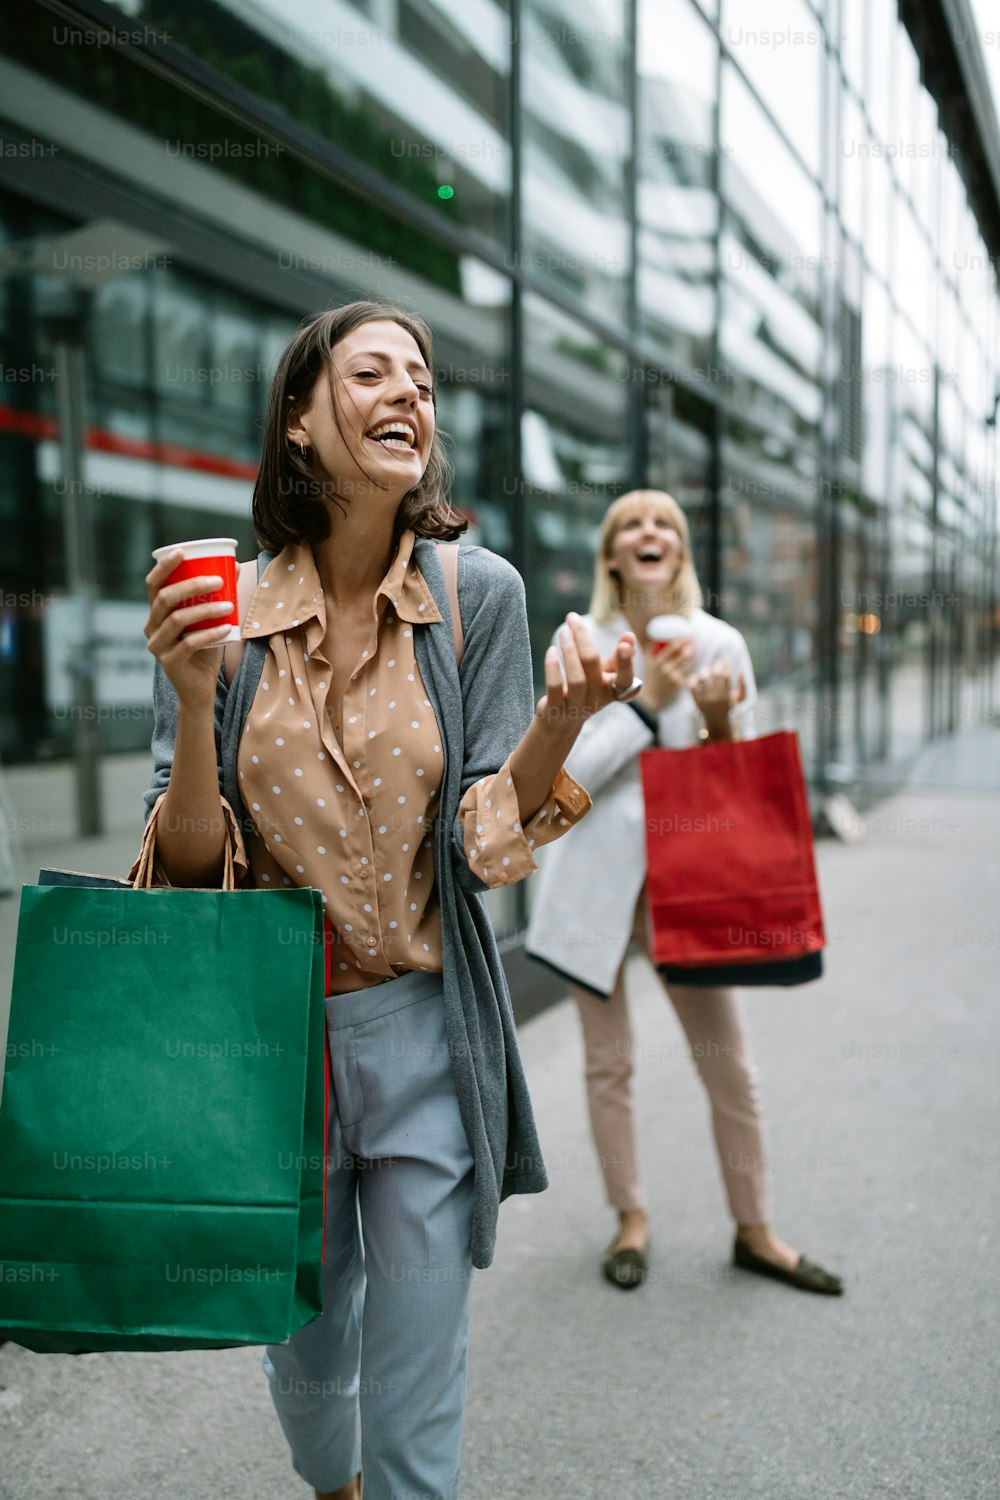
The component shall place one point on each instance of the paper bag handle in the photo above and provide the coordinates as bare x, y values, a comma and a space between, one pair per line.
147, 862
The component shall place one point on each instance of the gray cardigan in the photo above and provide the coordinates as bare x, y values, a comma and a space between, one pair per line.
482, 710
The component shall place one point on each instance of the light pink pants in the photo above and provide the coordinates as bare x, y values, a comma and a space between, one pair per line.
714, 1025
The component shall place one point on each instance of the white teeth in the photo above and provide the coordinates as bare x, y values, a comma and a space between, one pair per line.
401, 433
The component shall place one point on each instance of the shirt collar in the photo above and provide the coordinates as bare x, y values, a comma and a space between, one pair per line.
405, 587
290, 592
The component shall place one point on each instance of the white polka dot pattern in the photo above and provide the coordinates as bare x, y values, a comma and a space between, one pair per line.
360, 794
342, 817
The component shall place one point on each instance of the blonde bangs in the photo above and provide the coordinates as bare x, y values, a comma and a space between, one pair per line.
606, 600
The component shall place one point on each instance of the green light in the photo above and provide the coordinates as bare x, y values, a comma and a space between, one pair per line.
446, 191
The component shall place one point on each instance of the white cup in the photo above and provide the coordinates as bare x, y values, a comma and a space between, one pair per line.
664, 628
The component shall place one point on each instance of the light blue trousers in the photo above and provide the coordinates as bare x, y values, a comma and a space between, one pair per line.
378, 1382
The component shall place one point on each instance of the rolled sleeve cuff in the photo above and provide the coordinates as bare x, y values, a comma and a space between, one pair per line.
497, 848
241, 864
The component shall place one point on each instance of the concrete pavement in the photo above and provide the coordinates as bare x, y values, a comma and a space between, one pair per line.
880, 1089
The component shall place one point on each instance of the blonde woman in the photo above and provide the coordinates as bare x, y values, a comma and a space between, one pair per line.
590, 901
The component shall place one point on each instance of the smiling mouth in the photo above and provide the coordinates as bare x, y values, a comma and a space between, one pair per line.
649, 556
399, 438
395, 445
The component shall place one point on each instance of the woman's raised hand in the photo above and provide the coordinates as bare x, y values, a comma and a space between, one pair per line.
588, 684
713, 692
665, 673
191, 666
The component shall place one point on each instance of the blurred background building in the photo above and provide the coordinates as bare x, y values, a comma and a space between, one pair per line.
745, 253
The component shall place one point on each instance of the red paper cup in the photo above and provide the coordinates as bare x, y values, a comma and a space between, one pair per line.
665, 628
210, 555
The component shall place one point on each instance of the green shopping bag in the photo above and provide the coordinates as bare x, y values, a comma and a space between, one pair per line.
162, 1123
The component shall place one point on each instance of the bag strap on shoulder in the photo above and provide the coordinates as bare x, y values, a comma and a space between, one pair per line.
249, 574
448, 553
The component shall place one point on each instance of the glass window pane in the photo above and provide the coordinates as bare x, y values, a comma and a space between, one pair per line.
760, 176
906, 136
180, 337
677, 204
236, 367
911, 280
770, 584
853, 167
679, 434
119, 330
780, 47
576, 141
853, 43
770, 332
416, 90
881, 15
876, 365
574, 458
928, 169
878, 208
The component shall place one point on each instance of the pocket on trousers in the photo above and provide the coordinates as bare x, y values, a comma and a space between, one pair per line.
346, 1077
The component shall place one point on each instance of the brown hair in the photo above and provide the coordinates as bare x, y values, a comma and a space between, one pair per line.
290, 494
685, 594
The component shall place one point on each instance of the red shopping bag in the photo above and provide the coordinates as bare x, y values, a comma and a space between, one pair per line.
731, 878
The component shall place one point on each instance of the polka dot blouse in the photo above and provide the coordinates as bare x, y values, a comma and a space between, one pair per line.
356, 821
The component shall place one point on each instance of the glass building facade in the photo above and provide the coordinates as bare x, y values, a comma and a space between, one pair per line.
661, 243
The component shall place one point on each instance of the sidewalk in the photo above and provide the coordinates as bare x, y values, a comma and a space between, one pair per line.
880, 1092
38, 809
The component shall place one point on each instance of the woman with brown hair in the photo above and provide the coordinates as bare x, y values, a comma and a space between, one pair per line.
343, 747
589, 899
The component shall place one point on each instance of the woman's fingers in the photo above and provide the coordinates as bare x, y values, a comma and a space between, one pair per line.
165, 601
168, 595
170, 637
161, 571
576, 677
168, 629
713, 684
621, 663
673, 650
587, 654
554, 686
555, 690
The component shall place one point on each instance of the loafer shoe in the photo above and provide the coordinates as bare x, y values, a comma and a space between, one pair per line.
805, 1274
626, 1268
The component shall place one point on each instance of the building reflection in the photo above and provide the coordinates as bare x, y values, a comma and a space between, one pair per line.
685, 258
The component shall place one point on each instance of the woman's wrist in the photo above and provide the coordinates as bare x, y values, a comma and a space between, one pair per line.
537, 760
196, 710
718, 730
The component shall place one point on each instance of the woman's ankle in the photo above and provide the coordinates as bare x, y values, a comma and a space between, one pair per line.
633, 1229
761, 1240
632, 1216
349, 1491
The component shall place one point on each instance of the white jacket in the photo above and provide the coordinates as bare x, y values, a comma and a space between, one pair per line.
584, 894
